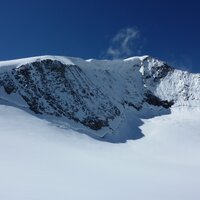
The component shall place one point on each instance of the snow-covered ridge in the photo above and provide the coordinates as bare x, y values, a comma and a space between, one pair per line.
66, 60
96, 93
18, 62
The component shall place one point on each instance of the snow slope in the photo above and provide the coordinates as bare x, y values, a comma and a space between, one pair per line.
41, 161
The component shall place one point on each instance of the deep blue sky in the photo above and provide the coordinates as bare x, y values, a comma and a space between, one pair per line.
169, 30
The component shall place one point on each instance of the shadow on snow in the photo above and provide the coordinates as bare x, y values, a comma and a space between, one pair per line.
128, 130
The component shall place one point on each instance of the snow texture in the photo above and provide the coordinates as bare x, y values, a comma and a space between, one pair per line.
41, 161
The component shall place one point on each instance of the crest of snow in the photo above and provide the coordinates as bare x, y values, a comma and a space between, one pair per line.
18, 62
89, 60
141, 58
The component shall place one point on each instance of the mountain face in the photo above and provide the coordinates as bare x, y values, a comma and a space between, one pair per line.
95, 93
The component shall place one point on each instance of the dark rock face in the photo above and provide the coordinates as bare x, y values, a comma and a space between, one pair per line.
156, 101
50, 87
162, 71
156, 72
53, 88
7, 83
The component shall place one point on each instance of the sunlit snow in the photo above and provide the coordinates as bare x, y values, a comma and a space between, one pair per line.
40, 161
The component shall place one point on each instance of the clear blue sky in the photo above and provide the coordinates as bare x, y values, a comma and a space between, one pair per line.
169, 30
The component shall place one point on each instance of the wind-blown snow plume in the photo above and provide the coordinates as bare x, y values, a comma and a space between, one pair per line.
125, 43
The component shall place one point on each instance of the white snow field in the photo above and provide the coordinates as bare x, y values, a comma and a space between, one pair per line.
39, 161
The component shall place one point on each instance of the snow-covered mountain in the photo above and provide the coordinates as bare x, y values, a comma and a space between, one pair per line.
46, 102
96, 93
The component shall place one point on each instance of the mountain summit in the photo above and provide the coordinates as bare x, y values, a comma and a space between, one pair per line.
96, 94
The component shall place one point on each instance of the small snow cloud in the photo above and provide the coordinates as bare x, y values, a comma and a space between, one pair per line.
125, 43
